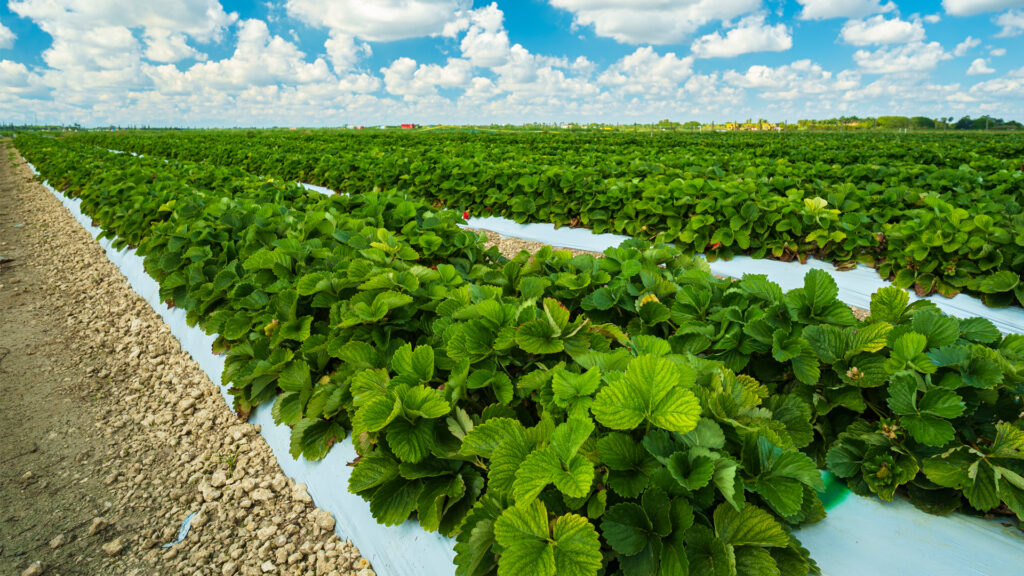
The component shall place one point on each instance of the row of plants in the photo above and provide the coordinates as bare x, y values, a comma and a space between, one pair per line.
630, 414
935, 213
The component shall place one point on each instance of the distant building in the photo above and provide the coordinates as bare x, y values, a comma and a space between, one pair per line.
409, 126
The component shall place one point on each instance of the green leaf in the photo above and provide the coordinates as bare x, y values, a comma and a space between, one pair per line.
371, 471
624, 527
755, 562
750, 526
424, 402
571, 548
903, 396
411, 441
939, 329
377, 413
927, 429
394, 501
295, 377
908, 352
538, 470
980, 330
889, 304
537, 337
707, 434
652, 389
484, 438
759, 286
311, 438
943, 403
692, 473
1002, 281
569, 436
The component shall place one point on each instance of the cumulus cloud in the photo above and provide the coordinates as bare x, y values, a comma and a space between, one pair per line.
204, 20
651, 21
964, 47
825, 9
933, 18
998, 52
6, 37
167, 46
878, 30
646, 72
486, 41
979, 67
752, 34
913, 57
1012, 23
404, 77
1011, 85
379, 20
788, 82
972, 7
343, 51
259, 59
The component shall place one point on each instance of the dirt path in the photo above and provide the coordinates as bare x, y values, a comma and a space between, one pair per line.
110, 435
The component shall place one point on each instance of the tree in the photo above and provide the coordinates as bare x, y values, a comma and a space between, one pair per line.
964, 123
921, 123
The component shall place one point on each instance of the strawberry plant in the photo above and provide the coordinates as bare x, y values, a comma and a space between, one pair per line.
567, 415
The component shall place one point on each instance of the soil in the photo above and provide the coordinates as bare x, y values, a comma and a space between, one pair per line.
110, 435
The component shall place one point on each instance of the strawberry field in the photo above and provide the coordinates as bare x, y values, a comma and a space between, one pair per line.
575, 415
932, 212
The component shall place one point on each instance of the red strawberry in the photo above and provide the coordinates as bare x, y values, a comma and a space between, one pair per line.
465, 215
716, 245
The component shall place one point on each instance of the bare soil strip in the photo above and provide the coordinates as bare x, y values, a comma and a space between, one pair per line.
110, 435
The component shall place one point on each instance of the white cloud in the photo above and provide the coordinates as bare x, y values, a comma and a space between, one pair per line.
998, 52
343, 51
486, 41
645, 72
204, 20
1011, 85
6, 37
166, 46
259, 60
752, 34
972, 7
404, 77
933, 18
651, 21
1012, 23
964, 47
362, 83
979, 67
379, 20
825, 9
788, 82
914, 57
878, 30
17, 80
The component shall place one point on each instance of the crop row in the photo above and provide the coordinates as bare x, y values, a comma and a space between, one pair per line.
929, 212
563, 415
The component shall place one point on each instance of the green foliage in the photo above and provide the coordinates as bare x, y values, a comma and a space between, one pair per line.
560, 414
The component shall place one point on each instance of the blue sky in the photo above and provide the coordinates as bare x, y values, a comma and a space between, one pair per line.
337, 62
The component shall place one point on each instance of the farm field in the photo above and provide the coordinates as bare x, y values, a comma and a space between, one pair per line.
581, 415
933, 212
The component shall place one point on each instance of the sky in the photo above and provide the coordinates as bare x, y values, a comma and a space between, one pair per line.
211, 63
